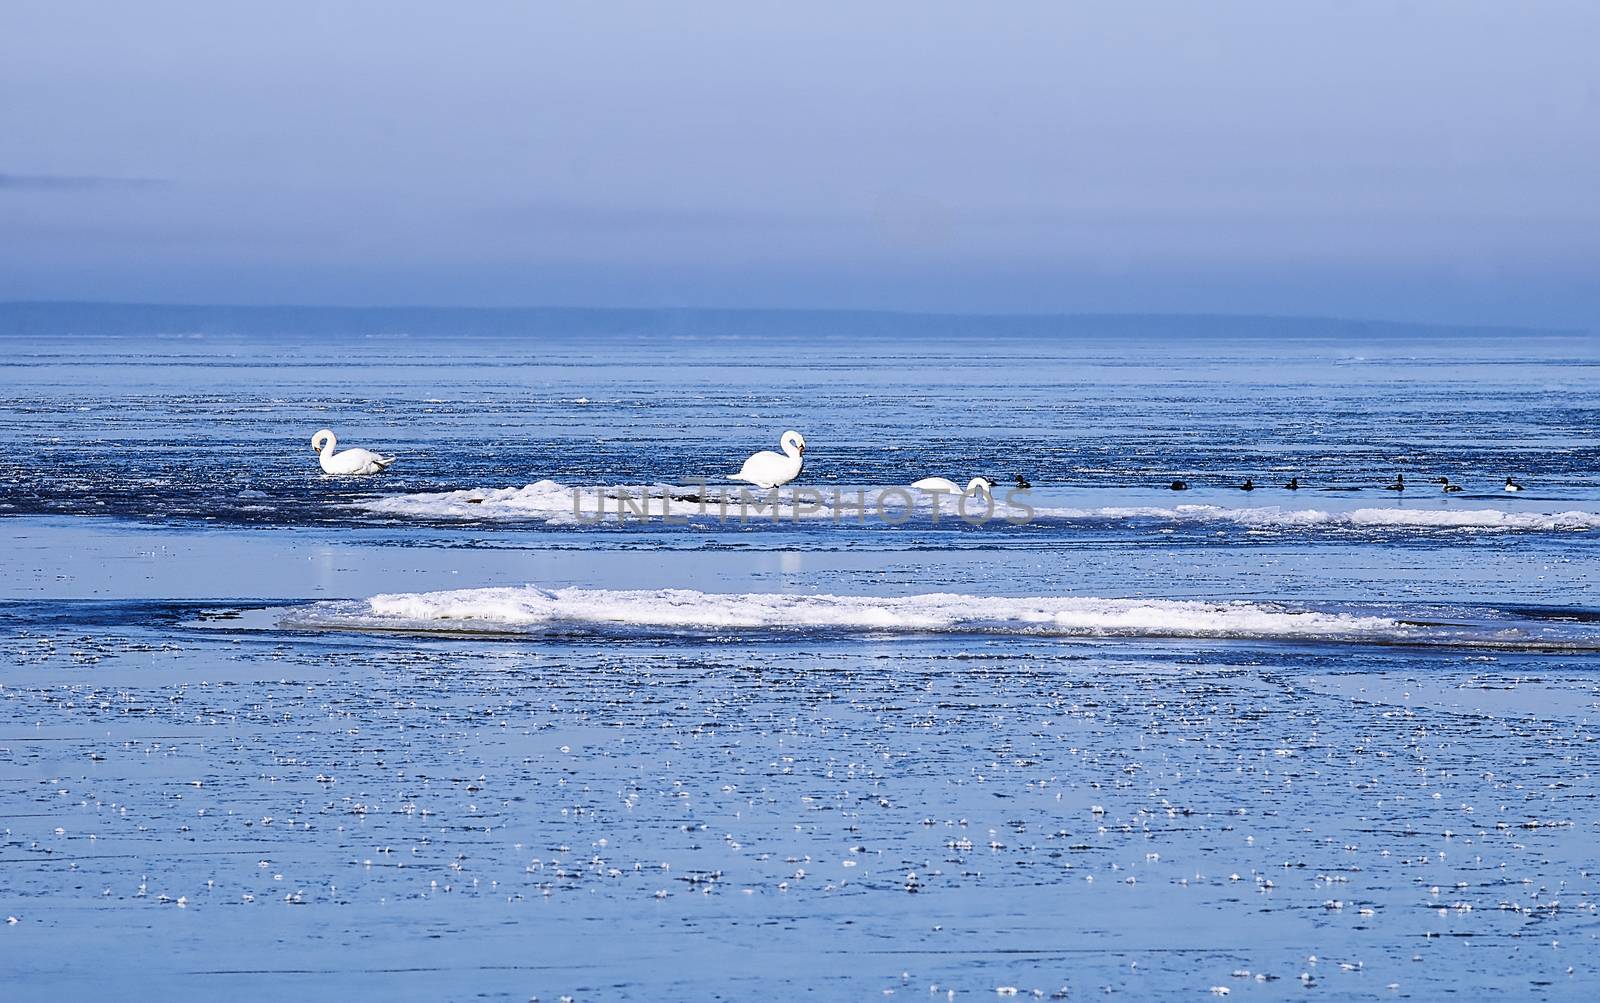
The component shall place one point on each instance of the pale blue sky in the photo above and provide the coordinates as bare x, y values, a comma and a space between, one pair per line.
1421, 160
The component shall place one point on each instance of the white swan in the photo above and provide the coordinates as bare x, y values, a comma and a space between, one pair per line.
351, 461
767, 469
976, 486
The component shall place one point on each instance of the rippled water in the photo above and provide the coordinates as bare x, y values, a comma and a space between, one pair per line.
218, 428
256, 739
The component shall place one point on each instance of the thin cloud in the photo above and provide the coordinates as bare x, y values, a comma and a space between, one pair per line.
72, 182
625, 219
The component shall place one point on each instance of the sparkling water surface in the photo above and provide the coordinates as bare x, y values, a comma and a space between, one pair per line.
205, 796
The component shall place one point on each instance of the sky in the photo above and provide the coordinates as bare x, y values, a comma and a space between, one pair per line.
1398, 160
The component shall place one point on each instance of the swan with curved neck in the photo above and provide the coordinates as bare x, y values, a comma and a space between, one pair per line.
351, 462
976, 486
767, 469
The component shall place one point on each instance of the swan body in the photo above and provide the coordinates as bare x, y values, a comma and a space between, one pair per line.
978, 485
767, 469
351, 462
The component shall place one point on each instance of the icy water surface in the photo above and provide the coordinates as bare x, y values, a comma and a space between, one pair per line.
438, 735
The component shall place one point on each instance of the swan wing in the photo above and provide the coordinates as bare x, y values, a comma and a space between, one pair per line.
767, 469
758, 463
356, 461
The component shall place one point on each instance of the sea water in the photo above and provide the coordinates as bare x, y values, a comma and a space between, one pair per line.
469, 729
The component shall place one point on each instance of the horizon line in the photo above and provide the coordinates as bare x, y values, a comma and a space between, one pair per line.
834, 311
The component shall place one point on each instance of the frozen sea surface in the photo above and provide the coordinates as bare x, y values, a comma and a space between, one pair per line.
252, 813
265, 733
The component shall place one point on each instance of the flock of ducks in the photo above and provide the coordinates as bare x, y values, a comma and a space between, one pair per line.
768, 469
1398, 484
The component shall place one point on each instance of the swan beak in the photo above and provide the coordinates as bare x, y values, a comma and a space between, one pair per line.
802, 450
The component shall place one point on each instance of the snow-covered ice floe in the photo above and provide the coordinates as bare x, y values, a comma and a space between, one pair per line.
533, 610
559, 504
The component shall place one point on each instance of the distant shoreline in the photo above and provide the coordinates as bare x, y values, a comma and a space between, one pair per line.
60, 318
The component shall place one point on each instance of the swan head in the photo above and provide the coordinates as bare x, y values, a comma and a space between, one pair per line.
321, 440
793, 443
